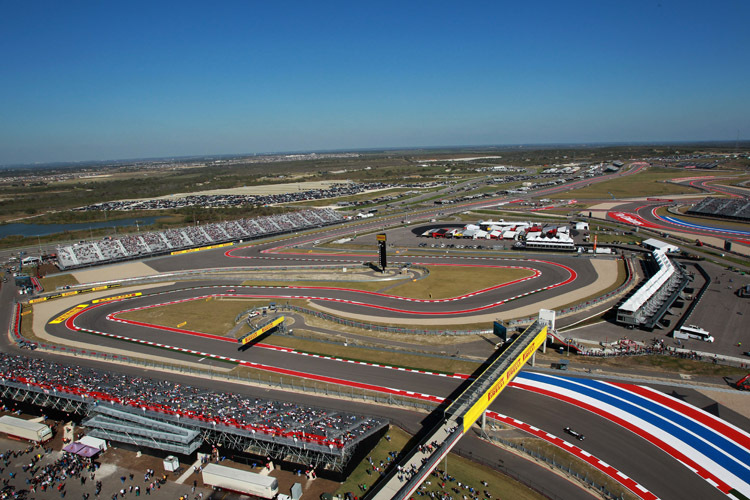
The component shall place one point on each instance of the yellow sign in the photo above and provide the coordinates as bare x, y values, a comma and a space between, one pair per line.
381, 237
509, 374
118, 297
263, 330
210, 247
182, 324
73, 292
63, 317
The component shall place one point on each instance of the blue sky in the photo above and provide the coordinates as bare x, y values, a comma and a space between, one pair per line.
106, 80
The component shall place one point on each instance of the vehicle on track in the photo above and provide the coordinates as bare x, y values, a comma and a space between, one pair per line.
575, 434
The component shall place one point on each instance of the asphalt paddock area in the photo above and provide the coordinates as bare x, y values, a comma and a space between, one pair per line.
120, 468
720, 311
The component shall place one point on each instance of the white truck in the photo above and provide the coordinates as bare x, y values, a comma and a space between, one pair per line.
24, 429
240, 481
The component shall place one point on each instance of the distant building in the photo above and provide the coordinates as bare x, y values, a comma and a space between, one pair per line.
653, 244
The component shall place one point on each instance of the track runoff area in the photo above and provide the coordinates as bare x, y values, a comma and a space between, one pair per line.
724, 467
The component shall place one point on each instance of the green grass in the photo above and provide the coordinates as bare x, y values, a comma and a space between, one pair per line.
463, 470
656, 363
50, 283
214, 316
442, 282
579, 466
710, 221
610, 237
399, 359
446, 282
27, 322
650, 182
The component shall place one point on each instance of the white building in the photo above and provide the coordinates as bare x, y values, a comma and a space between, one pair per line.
654, 244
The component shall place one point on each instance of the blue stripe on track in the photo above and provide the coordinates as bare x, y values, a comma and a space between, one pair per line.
666, 419
680, 222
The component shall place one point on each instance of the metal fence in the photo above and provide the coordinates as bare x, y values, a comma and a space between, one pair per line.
290, 384
377, 328
565, 468
592, 302
416, 331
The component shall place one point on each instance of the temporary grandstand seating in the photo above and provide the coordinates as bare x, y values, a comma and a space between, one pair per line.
649, 302
116, 248
139, 410
730, 208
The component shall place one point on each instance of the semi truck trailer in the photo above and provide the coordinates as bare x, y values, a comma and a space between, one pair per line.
24, 429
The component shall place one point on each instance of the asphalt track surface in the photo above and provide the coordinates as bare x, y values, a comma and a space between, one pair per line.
635, 457
646, 213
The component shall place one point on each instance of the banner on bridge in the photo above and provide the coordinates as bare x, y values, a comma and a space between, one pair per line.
260, 331
473, 413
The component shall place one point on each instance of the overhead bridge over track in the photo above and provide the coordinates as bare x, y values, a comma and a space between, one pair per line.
405, 477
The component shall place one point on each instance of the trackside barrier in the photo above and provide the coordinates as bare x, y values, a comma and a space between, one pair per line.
566, 468
585, 305
231, 273
318, 388
15, 324
413, 331
377, 328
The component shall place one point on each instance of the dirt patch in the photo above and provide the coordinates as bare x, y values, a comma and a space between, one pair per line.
114, 272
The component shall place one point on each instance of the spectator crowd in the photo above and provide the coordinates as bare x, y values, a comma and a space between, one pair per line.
116, 248
277, 418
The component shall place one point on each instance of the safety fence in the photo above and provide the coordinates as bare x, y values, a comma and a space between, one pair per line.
585, 305
215, 273
376, 328
417, 331
262, 379
566, 468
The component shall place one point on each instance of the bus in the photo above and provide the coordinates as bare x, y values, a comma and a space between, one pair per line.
693, 332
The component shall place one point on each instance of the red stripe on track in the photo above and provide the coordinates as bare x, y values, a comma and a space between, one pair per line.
673, 452
629, 483
689, 411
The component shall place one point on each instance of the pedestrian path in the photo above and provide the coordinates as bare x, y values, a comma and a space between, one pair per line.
189, 472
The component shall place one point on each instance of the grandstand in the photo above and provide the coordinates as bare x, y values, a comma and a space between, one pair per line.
180, 418
725, 208
135, 246
650, 302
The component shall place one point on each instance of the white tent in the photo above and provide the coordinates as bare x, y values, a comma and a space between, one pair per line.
94, 442
654, 244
